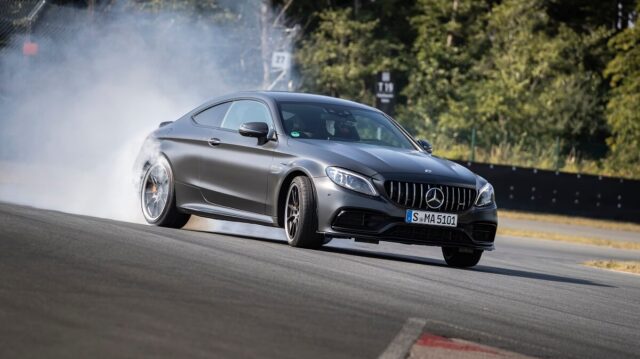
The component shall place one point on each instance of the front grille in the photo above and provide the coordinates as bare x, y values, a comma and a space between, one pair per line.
426, 234
412, 195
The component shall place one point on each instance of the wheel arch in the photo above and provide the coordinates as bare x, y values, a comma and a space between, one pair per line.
284, 187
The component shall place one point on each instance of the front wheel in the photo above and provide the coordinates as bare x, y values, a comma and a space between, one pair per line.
461, 257
300, 219
157, 196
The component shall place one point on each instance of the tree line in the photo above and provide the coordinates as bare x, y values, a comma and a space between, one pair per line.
545, 83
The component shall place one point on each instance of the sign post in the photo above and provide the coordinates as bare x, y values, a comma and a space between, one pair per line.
280, 62
385, 93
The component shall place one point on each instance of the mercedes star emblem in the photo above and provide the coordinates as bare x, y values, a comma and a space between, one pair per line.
434, 198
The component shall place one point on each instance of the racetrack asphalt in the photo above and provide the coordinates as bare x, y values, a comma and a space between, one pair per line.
75, 286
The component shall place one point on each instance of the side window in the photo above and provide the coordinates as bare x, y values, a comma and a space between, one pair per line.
213, 115
246, 111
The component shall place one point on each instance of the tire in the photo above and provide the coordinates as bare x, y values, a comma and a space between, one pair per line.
158, 198
300, 216
455, 258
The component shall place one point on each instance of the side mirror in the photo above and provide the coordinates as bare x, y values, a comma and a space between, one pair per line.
426, 145
254, 129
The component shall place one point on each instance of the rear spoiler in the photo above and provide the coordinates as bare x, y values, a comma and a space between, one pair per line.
162, 124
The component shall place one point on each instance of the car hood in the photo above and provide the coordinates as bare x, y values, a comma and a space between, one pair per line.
389, 163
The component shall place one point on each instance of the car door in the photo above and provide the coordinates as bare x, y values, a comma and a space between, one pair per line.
235, 172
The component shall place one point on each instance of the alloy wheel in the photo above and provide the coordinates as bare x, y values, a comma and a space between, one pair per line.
155, 192
292, 213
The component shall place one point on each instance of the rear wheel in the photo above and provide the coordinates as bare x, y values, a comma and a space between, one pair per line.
300, 218
157, 196
461, 257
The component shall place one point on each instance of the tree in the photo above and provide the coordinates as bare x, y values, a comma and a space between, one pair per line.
209, 10
623, 108
534, 82
445, 50
341, 57
521, 72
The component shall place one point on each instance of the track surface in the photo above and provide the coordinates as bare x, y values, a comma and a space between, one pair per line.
73, 286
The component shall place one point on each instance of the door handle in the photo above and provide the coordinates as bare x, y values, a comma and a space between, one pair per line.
214, 141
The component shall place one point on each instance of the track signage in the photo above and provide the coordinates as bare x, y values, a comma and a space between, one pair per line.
385, 93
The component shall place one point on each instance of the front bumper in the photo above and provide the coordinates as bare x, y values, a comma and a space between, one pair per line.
348, 214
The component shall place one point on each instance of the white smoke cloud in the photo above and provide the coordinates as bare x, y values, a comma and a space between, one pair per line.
73, 118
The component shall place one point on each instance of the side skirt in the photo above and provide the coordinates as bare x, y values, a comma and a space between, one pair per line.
227, 214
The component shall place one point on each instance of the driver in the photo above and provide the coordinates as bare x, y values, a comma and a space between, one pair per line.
346, 130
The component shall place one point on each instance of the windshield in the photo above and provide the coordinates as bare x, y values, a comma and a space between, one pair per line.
340, 123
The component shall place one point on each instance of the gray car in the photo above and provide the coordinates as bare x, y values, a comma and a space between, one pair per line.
318, 166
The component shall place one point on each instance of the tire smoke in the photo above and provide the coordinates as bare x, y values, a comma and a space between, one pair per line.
73, 117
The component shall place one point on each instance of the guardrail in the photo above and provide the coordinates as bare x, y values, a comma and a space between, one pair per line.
534, 190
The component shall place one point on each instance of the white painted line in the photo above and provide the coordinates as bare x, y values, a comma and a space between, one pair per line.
402, 343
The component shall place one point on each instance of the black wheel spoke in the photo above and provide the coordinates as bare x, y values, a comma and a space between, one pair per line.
292, 212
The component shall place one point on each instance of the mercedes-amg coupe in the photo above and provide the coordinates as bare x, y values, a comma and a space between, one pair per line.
318, 166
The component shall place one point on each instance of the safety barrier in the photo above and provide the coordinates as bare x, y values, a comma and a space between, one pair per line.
534, 190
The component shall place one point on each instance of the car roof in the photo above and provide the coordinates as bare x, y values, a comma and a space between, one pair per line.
283, 96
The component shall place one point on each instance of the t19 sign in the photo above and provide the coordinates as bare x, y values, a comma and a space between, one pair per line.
385, 93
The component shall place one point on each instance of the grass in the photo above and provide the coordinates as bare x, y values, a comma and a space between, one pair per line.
568, 238
541, 156
622, 266
580, 221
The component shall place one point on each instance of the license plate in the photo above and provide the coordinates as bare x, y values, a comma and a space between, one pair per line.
432, 218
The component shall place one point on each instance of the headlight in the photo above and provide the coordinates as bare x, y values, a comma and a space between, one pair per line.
351, 180
485, 196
